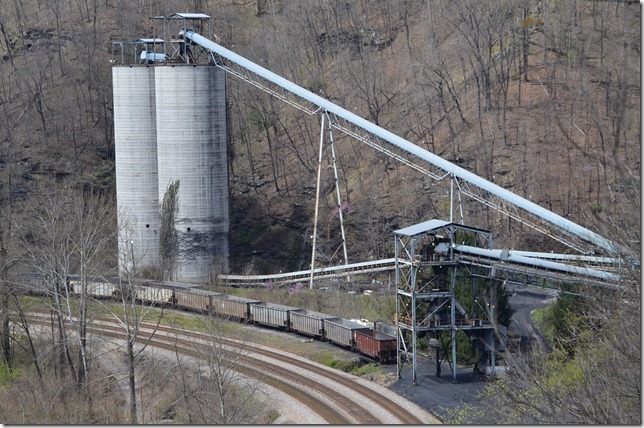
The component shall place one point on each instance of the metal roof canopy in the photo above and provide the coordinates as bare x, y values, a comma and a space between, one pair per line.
188, 16
434, 225
153, 41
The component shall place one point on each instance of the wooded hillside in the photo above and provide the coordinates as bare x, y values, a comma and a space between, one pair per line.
541, 98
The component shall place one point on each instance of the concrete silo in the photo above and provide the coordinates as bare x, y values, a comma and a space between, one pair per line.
192, 148
136, 166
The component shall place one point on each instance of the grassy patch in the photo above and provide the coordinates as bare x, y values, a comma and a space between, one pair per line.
270, 417
357, 367
183, 320
325, 358
8, 374
366, 369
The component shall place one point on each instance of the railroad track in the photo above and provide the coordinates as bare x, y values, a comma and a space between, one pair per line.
336, 397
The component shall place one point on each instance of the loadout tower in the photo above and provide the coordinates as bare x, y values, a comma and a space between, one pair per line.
429, 276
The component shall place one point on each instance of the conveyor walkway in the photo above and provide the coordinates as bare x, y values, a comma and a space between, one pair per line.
497, 261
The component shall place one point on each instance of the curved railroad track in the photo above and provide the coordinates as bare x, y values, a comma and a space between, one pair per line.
336, 397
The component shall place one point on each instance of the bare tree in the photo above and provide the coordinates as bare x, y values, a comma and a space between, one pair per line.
212, 388
600, 384
47, 243
133, 310
70, 232
94, 220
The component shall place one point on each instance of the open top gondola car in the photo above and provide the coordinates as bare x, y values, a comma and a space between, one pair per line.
374, 344
271, 314
342, 331
32, 283
102, 289
309, 322
95, 286
384, 327
194, 299
154, 294
99, 289
232, 307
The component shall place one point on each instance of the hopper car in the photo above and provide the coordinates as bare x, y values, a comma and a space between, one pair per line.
376, 341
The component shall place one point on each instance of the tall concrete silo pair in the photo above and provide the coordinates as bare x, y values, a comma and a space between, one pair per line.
170, 124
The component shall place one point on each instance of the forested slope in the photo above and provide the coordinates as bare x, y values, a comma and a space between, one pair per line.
539, 97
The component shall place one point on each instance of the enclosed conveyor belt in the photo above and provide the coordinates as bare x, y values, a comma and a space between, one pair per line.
508, 260
545, 215
575, 258
502, 260
327, 272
